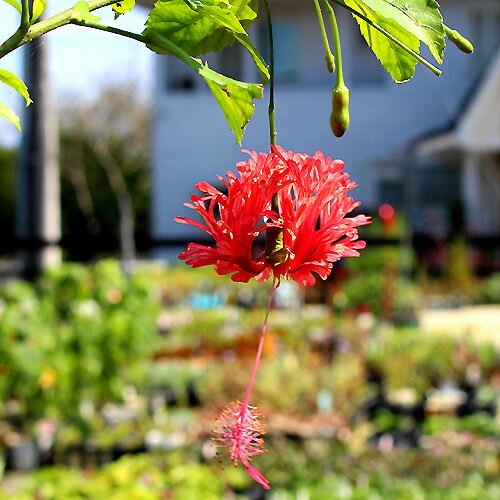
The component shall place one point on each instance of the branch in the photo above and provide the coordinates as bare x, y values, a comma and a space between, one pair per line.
25, 15
26, 33
15, 40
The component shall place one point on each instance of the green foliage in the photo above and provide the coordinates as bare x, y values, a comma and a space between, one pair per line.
18, 85
10, 115
81, 12
208, 26
80, 335
123, 6
235, 98
489, 292
421, 18
458, 268
39, 7
313, 469
480, 423
397, 61
188, 28
177, 29
16, 4
377, 280
391, 22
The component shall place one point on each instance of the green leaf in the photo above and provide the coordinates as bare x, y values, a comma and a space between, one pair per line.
235, 98
10, 115
421, 18
81, 12
38, 8
393, 58
16, 83
211, 27
15, 4
123, 6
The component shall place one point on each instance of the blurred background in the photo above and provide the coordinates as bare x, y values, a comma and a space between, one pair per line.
381, 382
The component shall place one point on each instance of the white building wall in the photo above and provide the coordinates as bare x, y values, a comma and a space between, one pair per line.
193, 142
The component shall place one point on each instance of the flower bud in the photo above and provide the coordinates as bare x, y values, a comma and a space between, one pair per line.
330, 63
460, 41
339, 119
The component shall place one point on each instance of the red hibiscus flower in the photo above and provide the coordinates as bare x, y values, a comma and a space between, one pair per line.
313, 208
313, 204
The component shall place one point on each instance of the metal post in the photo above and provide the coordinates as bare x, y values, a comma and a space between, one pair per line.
38, 192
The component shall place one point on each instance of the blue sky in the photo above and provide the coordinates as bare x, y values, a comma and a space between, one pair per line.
81, 59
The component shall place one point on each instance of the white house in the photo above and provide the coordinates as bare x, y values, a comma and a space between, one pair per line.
472, 147
192, 141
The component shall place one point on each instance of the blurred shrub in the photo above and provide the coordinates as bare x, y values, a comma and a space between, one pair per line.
397, 296
489, 291
311, 470
79, 335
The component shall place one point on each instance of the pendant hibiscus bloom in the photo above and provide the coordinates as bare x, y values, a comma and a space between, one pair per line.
312, 207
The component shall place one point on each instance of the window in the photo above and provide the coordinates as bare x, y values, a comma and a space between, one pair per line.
286, 58
230, 61
392, 191
179, 76
485, 34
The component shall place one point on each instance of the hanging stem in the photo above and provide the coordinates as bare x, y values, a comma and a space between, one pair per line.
336, 42
330, 60
272, 131
274, 252
259, 351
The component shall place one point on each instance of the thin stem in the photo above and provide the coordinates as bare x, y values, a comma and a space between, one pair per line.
391, 37
336, 42
274, 236
27, 33
272, 130
25, 15
259, 351
15, 40
330, 60
109, 29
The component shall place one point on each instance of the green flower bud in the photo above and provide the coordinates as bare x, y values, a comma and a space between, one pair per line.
330, 63
339, 119
460, 41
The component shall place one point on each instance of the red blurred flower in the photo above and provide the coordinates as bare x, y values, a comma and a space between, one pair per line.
313, 204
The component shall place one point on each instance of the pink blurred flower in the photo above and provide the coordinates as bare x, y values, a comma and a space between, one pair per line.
313, 205
241, 434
